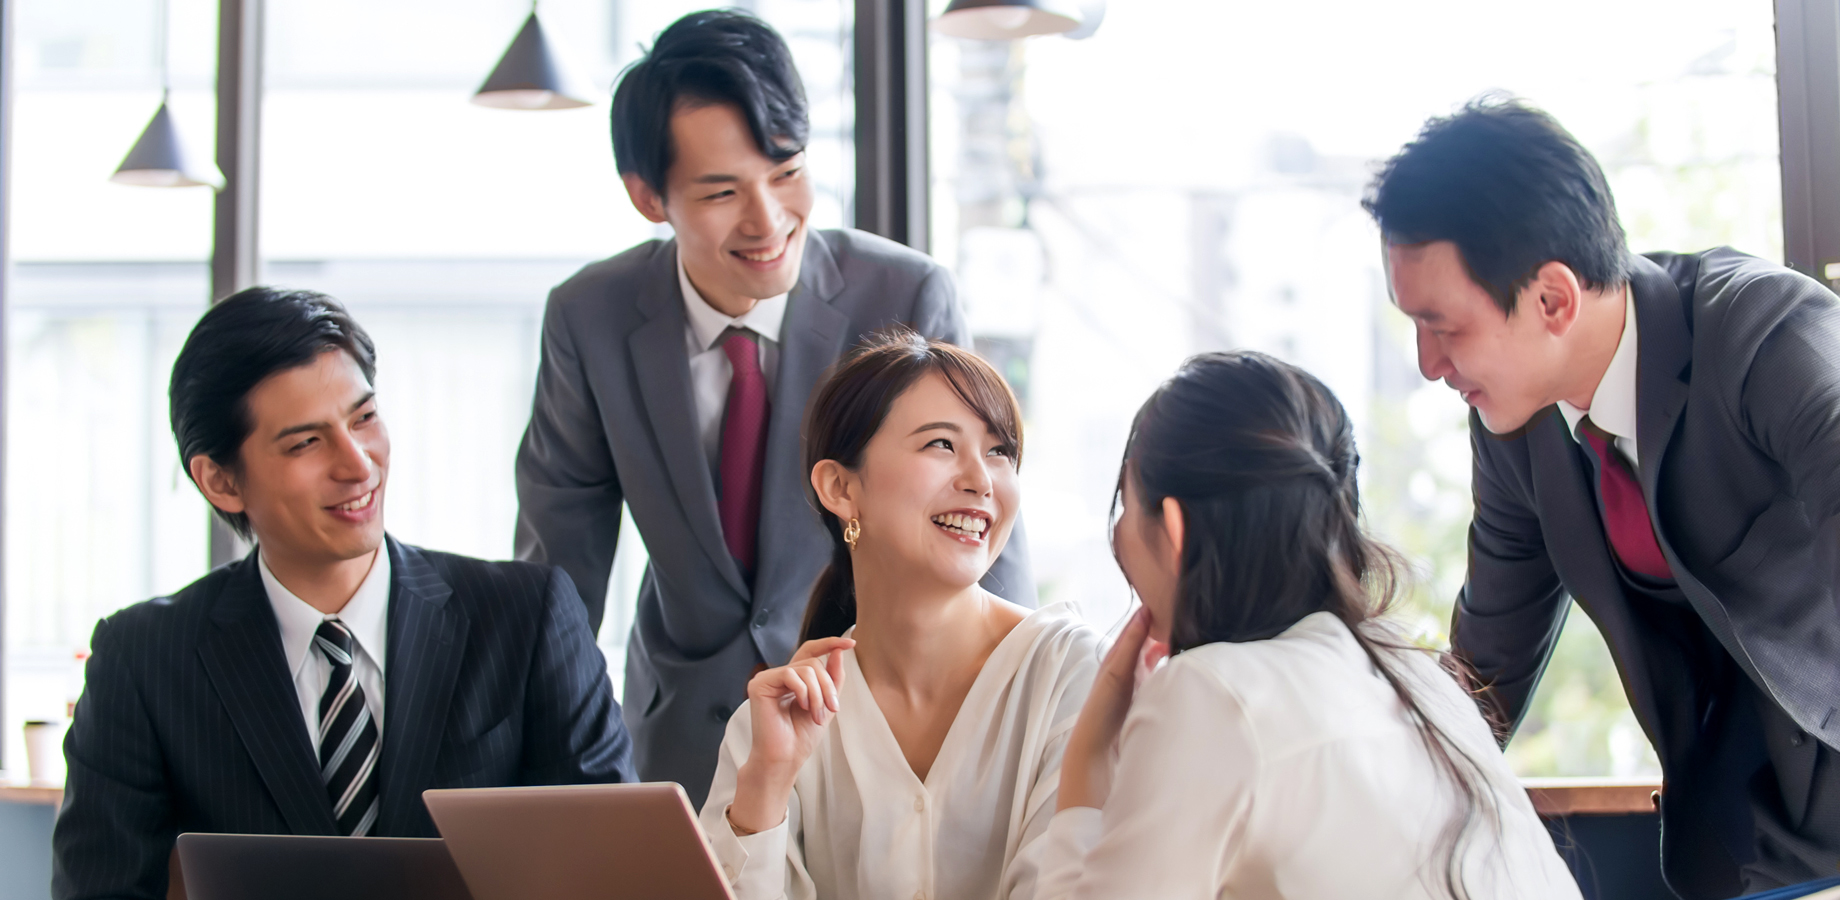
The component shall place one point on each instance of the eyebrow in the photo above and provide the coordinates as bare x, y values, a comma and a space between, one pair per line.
315, 426
716, 179
937, 426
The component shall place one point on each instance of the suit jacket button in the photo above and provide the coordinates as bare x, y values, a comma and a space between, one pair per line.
760, 621
720, 713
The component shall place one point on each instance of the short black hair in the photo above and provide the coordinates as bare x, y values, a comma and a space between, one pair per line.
1512, 189
246, 338
717, 56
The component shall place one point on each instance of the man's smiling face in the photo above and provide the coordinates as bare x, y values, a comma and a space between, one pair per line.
739, 215
1506, 367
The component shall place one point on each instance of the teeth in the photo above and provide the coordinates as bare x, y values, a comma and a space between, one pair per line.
357, 504
962, 524
761, 255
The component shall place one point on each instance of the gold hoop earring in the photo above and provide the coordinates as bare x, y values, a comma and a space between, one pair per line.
852, 532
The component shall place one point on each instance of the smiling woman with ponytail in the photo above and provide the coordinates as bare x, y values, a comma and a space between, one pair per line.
912, 747
1294, 745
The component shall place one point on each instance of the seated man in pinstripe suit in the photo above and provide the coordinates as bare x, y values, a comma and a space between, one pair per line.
320, 684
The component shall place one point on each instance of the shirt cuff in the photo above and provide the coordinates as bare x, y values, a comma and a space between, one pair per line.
754, 864
1071, 833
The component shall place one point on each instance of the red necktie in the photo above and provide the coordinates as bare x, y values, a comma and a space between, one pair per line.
1632, 535
744, 448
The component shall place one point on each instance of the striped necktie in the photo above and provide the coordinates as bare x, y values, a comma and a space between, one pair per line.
348, 744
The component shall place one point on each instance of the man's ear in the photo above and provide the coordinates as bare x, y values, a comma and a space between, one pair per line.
644, 199
835, 487
216, 484
1175, 528
1558, 297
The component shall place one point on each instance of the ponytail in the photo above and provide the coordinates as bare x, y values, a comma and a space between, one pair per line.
832, 609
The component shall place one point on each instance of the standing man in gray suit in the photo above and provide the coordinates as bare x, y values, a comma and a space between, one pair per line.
1658, 438
674, 377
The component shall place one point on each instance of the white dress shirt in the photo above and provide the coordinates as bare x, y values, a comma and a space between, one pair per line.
710, 371
1613, 404
366, 615
861, 826
1289, 768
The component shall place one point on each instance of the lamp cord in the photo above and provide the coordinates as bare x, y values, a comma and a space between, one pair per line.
165, 27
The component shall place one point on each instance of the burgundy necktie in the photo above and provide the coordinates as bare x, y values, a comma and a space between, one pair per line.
1632, 535
744, 447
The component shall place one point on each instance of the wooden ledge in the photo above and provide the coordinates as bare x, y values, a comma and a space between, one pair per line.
1551, 796
42, 796
1592, 796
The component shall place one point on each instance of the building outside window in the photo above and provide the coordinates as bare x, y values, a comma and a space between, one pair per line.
1187, 178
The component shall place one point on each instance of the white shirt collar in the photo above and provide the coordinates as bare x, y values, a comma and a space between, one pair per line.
366, 614
1613, 404
708, 323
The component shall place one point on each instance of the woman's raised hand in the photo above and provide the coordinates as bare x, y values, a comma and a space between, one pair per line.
1086, 765
789, 708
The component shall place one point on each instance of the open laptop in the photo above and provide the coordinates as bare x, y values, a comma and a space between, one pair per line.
291, 867
581, 842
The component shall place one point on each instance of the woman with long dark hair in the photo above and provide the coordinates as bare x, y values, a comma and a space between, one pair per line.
1293, 745
912, 747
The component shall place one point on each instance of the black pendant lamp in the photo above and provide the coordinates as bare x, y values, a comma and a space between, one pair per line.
528, 75
159, 158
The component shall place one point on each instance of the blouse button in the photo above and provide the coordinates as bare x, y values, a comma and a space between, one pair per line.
729, 871
919, 806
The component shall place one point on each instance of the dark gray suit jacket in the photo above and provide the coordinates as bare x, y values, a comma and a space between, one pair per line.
614, 420
1738, 408
190, 721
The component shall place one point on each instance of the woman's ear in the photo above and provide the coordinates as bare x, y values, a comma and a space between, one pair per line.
1175, 527
835, 487
218, 488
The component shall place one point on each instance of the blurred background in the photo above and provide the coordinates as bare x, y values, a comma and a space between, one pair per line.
1186, 177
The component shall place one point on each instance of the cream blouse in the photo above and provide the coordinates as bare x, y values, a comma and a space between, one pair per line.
1288, 768
861, 826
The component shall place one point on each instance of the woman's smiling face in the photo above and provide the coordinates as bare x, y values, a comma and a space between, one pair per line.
936, 492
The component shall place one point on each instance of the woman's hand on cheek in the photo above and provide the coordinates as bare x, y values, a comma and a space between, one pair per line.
1086, 767
789, 708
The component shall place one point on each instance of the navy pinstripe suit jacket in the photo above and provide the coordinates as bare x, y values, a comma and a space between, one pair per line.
189, 720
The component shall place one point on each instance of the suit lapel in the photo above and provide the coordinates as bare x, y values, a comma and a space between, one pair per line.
242, 655
662, 368
1580, 548
811, 339
1663, 358
427, 640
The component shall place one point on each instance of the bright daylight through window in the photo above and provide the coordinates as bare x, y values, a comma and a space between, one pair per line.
1110, 204
441, 224
1105, 227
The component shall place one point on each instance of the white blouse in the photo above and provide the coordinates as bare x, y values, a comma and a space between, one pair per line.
1289, 768
861, 826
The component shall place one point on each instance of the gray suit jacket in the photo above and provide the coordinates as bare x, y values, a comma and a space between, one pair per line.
1738, 409
614, 420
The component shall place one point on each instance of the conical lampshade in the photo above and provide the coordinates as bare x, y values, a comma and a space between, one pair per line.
159, 159
527, 76
1004, 20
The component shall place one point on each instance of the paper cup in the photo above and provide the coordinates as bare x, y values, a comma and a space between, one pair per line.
44, 762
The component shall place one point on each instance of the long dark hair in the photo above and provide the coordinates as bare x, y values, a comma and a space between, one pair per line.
1261, 457
848, 410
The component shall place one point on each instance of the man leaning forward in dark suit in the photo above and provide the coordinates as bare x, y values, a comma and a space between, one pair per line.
1658, 438
674, 377
320, 684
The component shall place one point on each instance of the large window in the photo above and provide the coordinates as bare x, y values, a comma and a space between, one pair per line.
441, 224
1188, 179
